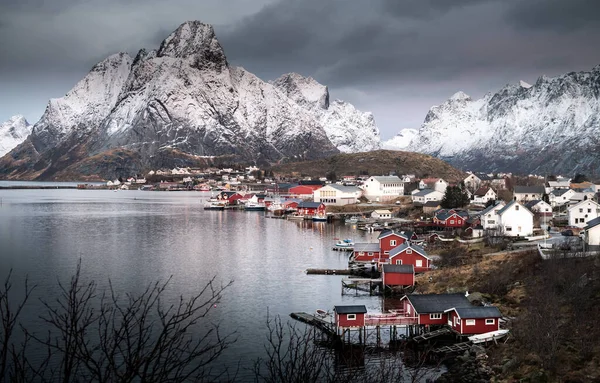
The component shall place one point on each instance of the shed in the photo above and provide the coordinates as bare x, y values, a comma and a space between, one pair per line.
474, 319
350, 316
398, 275
430, 308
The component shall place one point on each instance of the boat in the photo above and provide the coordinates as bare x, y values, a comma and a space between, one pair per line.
253, 205
345, 243
295, 216
321, 313
351, 220
320, 217
214, 205
488, 336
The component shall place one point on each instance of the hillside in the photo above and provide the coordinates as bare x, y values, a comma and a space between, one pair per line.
373, 163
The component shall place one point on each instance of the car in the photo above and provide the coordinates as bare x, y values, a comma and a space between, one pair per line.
567, 233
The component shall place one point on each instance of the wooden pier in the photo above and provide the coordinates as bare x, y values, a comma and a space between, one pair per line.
432, 334
335, 248
329, 271
361, 284
458, 347
320, 323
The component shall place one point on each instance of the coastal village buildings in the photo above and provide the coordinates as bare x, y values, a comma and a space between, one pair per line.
426, 195
560, 197
583, 212
489, 217
528, 193
338, 195
472, 182
591, 236
483, 195
436, 184
515, 220
383, 188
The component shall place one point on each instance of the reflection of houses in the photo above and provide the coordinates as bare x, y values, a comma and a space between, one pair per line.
334, 194
515, 220
583, 212
528, 193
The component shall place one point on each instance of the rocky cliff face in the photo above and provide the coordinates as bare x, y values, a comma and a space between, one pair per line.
185, 97
551, 126
12, 133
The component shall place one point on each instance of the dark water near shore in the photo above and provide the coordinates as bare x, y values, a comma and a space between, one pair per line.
134, 238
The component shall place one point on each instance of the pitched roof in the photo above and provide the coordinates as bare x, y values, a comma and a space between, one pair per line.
432, 203
399, 269
345, 189
477, 312
407, 245
309, 205
366, 247
482, 191
509, 205
529, 190
387, 232
355, 309
387, 179
311, 183
490, 208
437, 303
425, 192
382, 212
529, 205
559, 192
594, 222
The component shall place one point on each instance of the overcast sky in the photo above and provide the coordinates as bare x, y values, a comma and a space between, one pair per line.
395, 58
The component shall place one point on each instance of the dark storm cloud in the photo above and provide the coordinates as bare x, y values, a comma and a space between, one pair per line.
426, 8
555, 15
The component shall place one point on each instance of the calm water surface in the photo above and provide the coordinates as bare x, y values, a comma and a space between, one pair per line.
134, 238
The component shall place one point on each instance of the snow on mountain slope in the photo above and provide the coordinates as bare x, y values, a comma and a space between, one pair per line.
401, 141
12, 133
551, 126
349, 129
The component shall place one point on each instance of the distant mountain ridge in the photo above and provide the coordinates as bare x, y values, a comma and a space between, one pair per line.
13, 132
184, 97
550, 127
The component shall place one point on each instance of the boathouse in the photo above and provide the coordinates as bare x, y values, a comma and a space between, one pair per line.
430, 309
311, 208
409, 254
350, 316
474, 320
365, 252
388, 239
398, 275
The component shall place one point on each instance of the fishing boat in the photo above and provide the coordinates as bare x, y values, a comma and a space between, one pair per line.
214, 206
488, 336
295, 216
253, 205
321, 313
353, 219
320, 217
344, 243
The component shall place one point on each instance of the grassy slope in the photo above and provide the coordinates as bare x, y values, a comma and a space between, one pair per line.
378, 162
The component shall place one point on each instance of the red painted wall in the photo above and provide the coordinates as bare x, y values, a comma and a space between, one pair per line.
322, 209
411, 259
341, 321
366, 257
480, 327
424, 319
384, 243
396, 279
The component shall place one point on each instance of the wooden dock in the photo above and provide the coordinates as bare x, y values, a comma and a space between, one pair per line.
432, 334
335, 248
329, 271
320, 323
458, 347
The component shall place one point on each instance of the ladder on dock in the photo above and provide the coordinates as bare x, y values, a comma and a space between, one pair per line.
431, 334
321, 324
453, 348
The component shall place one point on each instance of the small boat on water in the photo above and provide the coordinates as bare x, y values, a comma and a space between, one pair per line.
321, 313
295, 216
214, 205
320, 217
488, 336
353, 219
344, 243
253, 205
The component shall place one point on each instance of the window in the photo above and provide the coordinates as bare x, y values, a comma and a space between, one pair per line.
517, 207
589, 210
361, 253
370, 253
490, 321
393, 242
408, 309
435, 316
491, 221
470, 322
398, 261
351, 316
386, 252
451, 221
419, 263
580, 210
409, 251
508, 228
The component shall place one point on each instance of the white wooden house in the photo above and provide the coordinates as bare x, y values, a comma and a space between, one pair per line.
489, 217
515, 220
427, 195
583, 212
539, 207
560, 197
381, 214
528, 193
437, 184
483, 195
383, 188
591, 236
472, 182
334, 194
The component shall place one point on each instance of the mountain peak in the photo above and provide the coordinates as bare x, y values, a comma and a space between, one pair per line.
194, 39
524, 84
17, 119
303, 90
13, 132
460, 96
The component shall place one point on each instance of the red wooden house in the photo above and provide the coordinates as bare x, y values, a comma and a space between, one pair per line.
232, 198
430, 308
474, 319
398, 275
304, 191
311, 208
350, 316
388, 239
365, 253
409, 254
450, 218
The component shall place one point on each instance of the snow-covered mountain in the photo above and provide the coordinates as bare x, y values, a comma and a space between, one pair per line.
184, 97
552, 126
12, 133
401, 140
349, 129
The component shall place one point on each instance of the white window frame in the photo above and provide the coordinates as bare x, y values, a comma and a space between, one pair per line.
409, 251
350, 316
398, 261
370, 253
490, 321
470, 322
386, 252
419, 263
435, 316
393, 242
408, 308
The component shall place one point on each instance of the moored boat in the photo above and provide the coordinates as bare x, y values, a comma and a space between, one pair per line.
488, 336
321, 313
344, 243
295, 216
214, 205
320, 217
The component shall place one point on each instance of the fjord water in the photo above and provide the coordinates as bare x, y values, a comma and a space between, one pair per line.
134, 238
